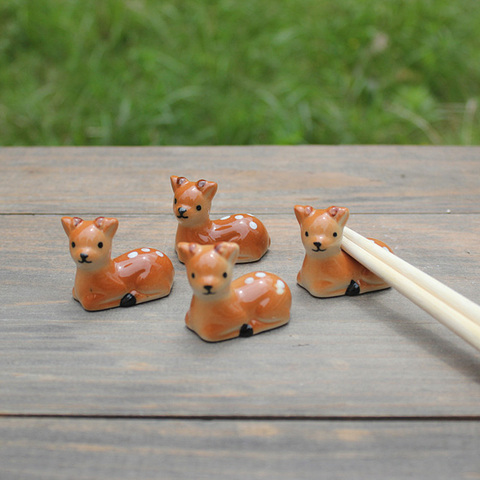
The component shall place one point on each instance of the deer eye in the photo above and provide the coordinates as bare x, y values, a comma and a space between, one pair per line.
175, 201
193, 275
73, 244
225, 275
199, 207
100, 244
335, 234
306, 234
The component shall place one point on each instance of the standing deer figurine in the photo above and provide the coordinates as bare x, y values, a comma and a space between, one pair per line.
137, 276
221, 308
327, 270
191, 206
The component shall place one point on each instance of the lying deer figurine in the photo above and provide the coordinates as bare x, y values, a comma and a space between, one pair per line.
327, 270
222, 308
138, 276
191, 206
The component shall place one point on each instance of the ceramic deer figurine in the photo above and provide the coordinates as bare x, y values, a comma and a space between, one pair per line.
102, 282
327, 270
191, 206
222, 308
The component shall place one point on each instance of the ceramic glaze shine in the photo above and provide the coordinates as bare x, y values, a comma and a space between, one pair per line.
101, 282
191, 206
327, 270
222, 308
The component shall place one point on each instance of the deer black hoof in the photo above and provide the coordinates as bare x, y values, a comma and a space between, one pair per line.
353, 289
246, 330
128, 300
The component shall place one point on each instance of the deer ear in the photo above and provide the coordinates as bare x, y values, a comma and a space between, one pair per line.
340, 214
177, 182
209, 189
70, 223
228, 250
107, 225
302, 212
186, 251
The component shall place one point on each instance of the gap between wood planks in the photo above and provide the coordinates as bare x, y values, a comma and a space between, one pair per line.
219, 214
252, 418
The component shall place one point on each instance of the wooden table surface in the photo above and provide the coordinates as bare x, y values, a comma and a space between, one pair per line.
362, 387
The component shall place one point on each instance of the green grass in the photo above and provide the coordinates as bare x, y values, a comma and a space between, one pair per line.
153, 72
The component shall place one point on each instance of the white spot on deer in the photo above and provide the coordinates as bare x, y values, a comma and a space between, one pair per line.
160, 254
132, 254
249, 280
146, 250
238, 217
260, 274
280, 286
226, 218
253, 225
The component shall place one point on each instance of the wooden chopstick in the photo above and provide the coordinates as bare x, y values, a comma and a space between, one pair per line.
452, 309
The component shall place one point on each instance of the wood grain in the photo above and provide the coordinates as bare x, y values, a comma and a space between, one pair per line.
364, 387
178, 449
376, 354
255, 179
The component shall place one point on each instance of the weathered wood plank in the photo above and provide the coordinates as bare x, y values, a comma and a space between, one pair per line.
256, 179
132, 449
375, 355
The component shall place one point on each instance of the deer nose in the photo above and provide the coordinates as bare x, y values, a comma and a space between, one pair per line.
317, 244
182, 210
84, 256
208, 288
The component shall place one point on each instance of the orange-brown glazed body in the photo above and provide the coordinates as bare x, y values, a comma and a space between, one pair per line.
102, 282
222, 308
327, 270
191, 206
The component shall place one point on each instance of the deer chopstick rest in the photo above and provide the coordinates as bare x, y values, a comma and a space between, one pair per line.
222, 308
101, 282
327, 270
191, 206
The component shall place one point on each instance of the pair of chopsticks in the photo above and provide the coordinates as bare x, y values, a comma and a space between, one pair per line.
453, 310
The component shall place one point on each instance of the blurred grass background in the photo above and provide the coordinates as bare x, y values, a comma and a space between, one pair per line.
190, 72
